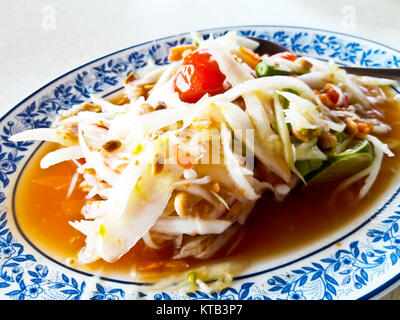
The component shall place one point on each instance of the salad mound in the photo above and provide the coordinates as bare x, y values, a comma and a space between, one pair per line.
198, 141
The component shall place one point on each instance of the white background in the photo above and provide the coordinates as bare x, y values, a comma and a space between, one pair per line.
42, 39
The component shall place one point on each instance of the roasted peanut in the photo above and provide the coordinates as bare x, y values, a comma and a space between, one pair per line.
307, 65
183, 204
161, 105
327, 140
112, 145
300, 135
144, 108
91, 107
215, 187
177, 53
352, 127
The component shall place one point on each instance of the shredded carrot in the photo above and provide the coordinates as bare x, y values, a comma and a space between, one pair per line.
249, 57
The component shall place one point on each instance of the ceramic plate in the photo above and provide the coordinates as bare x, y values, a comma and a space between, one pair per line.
360, 261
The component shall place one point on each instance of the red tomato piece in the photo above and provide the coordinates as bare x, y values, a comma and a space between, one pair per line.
198, 75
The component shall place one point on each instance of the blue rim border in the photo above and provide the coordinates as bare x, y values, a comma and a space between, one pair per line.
370, 295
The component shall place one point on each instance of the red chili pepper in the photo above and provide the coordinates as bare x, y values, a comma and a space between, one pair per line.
198, 75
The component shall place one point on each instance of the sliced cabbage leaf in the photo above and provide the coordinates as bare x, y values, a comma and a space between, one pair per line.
343, 141
309, 151
307, 166
354, 147
344, 167
302, 113
348, 158
356, 158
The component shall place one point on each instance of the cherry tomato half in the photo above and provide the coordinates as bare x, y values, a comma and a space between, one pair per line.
198, 75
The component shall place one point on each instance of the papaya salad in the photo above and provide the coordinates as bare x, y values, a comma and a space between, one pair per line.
196, 142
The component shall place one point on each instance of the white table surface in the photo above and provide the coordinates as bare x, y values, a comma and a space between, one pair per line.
42, 39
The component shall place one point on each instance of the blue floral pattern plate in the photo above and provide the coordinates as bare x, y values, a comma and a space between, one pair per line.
361, 261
